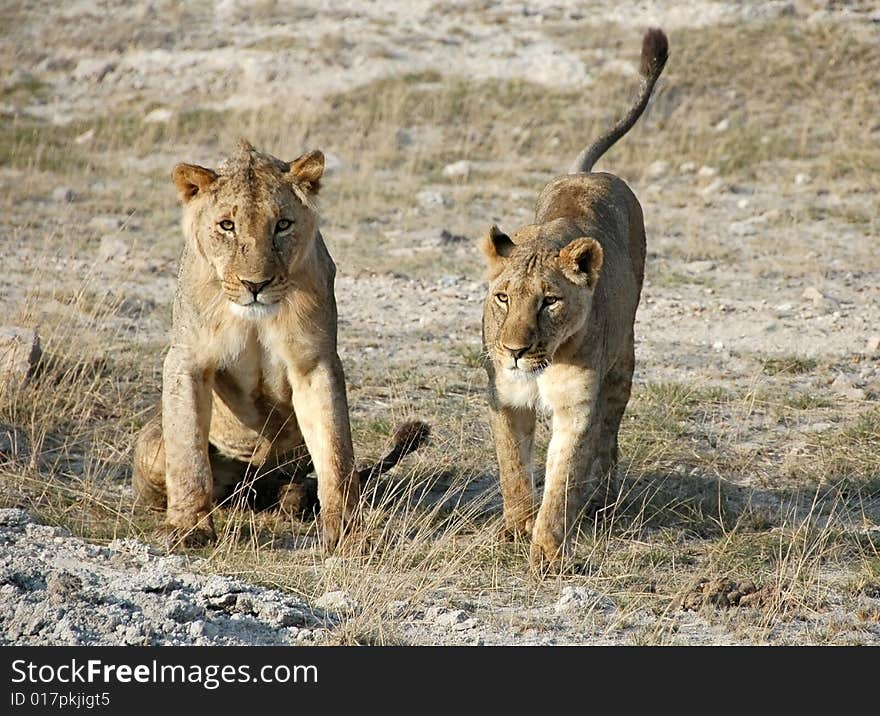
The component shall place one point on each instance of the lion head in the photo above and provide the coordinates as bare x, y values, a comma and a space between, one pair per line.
254, 220
540, 294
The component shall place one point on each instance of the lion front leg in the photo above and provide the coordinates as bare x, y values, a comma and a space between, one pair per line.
570, 454
186, 421
514, 433
321, 408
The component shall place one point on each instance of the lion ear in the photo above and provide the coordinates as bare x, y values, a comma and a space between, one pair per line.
497, 246
307, 171
190, 179
581, 261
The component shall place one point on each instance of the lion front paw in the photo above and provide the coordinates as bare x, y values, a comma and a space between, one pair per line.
187, 531
516, 529
546, 554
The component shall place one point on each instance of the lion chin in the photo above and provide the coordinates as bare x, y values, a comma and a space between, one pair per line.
254, 311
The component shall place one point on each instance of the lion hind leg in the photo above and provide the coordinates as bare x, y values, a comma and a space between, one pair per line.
148, 466
616, 390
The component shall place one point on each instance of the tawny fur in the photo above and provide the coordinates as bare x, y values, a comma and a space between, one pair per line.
558, 333
252, 380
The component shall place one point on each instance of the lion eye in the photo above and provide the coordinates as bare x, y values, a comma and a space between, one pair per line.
283, 225
227, 225
501, 298
550, 300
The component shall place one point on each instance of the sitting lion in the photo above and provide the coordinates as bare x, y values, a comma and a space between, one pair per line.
252, 383
558, 333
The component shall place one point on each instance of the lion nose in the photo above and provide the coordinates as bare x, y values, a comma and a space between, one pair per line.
255, 286
516, 351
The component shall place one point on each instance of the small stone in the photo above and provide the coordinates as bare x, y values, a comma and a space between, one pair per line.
219, 586
451, 618
800, 179
657, 169
63, 194
430, 199
723, 125
92, 69
112, 248
19, 354
457, 170
13, 517
687, 167
84, 138
820, 300
581, 599
783, 309
159, 116
707, 172
202, 628
182, 611
843, 385
820, 427
873, 345
742, 228
699, 266
336, 601
104, 223
713, 187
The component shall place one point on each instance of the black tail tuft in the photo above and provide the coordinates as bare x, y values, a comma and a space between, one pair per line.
407, 438
655, 52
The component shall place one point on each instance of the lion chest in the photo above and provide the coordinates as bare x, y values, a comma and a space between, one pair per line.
254, 379
521, 392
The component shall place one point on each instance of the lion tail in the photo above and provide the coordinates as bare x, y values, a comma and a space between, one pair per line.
655, 52
408, 437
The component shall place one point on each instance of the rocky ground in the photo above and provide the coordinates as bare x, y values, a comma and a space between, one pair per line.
748, 495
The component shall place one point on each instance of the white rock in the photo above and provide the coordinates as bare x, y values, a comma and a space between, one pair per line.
430, 199
458, 170
699, 266
843, 385
337, 601
657, 169
112, 248
63, 194
19, 354
800, 179
723, 125
873, 344
819, 300
84, 138
687, 167
581, 599
707, 172
161, 115
92, 69
742, 228
712, 187
104, 223
451, 618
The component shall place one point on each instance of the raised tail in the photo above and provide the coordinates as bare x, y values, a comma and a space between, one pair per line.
408, 437
655, 51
